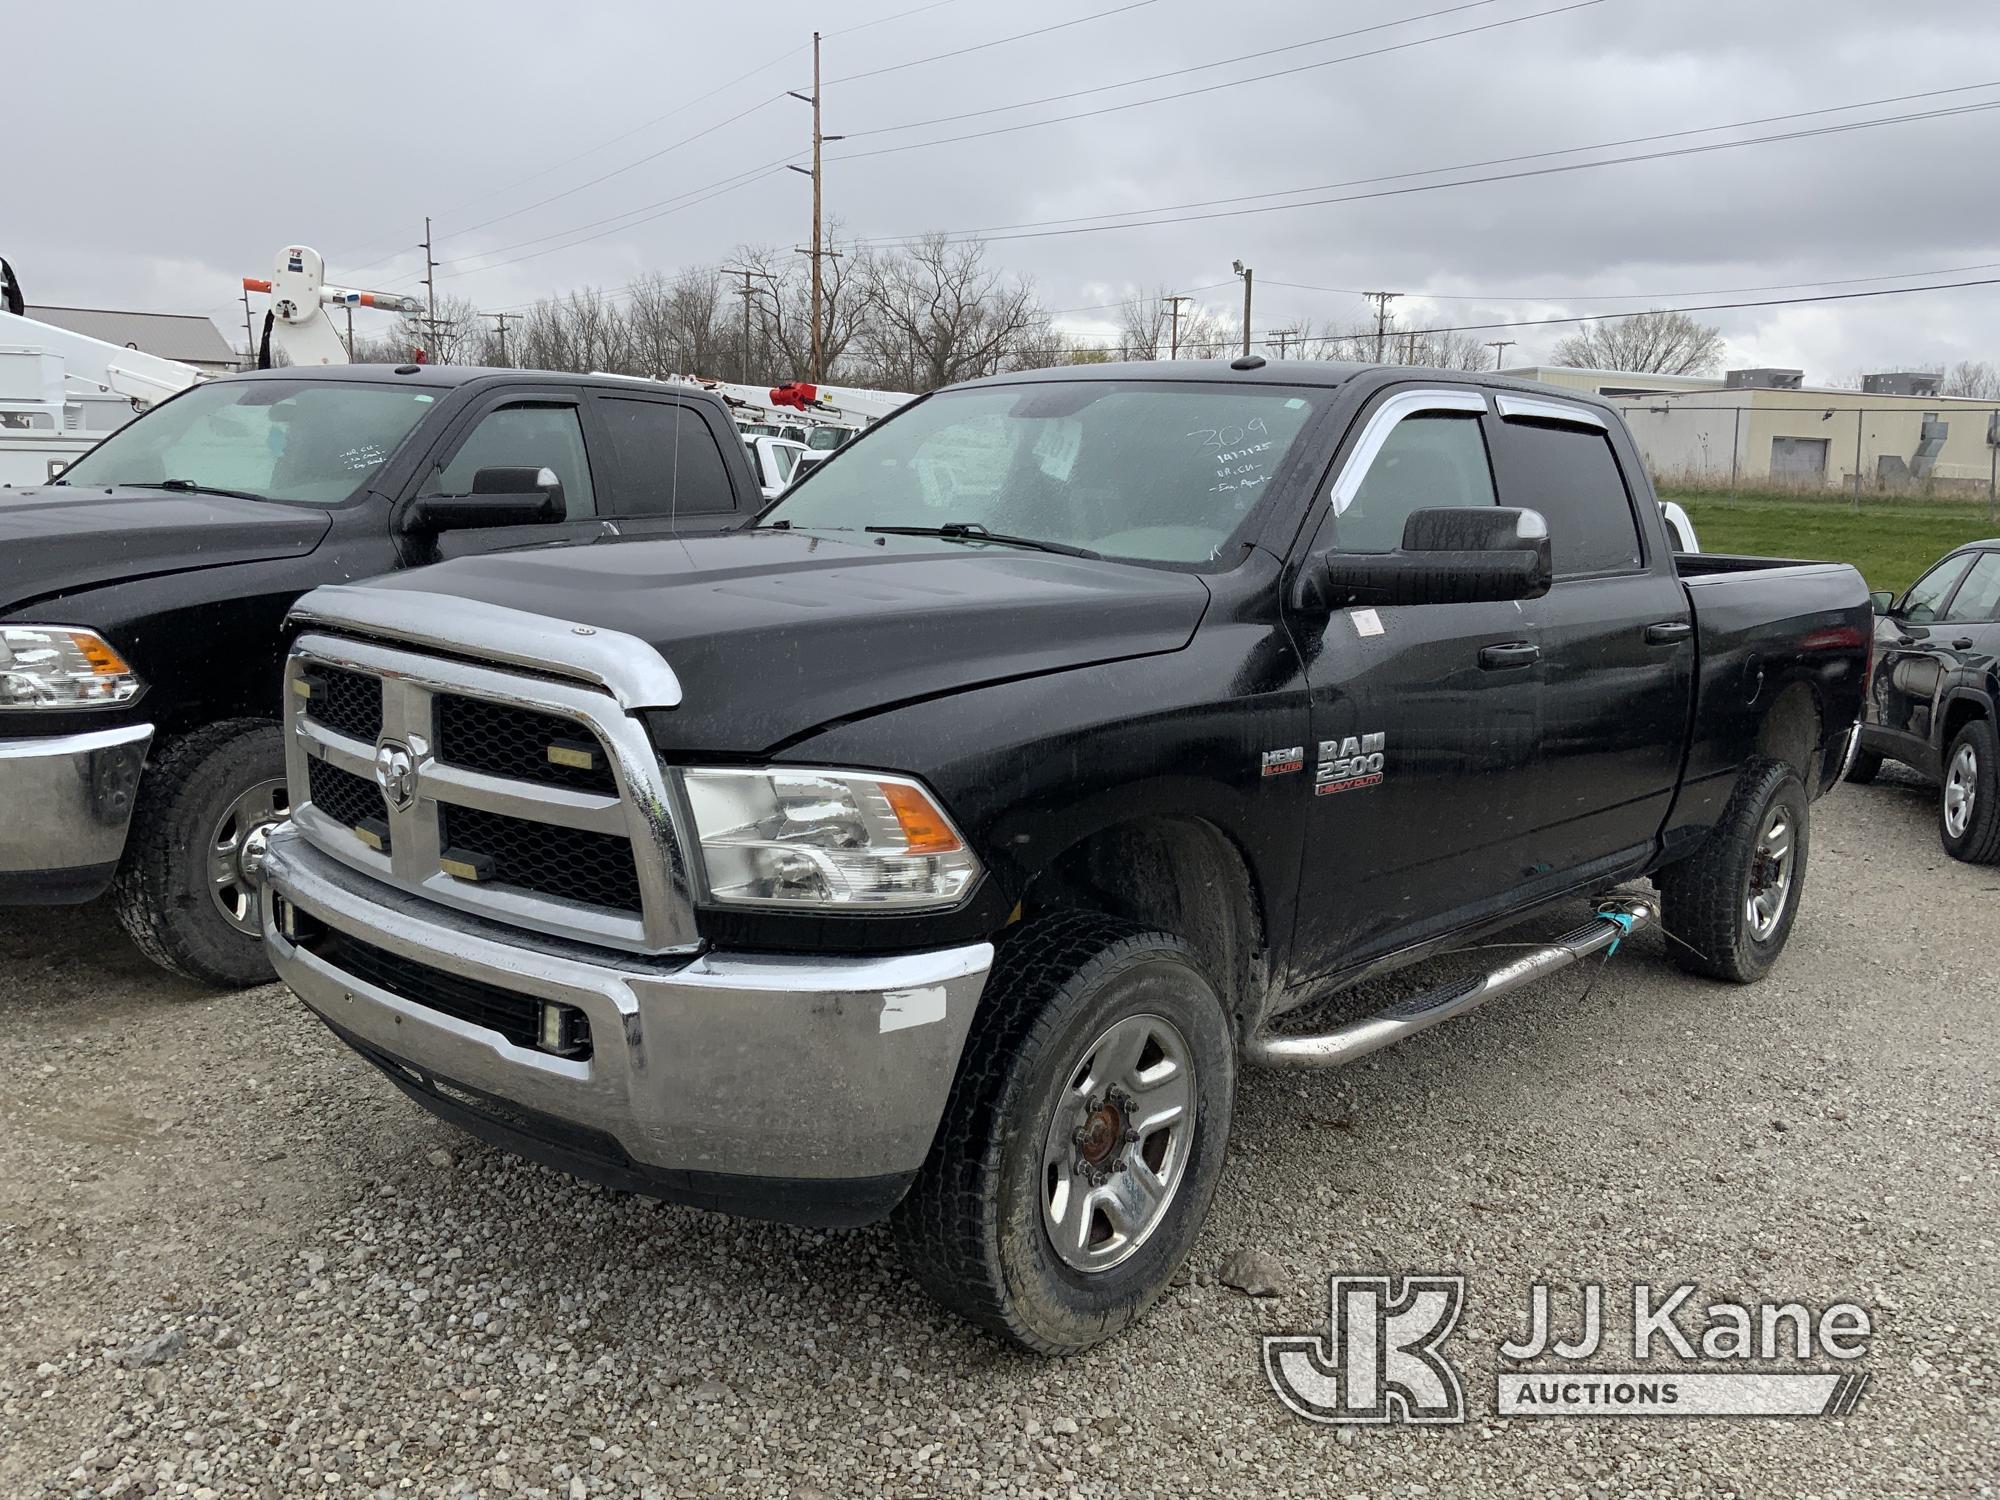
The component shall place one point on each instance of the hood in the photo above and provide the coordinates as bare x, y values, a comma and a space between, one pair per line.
57, 540
775, 633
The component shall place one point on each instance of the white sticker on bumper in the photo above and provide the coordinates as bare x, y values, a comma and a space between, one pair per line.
902, 1009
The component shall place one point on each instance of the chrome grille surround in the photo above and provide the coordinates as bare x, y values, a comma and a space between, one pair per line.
413, 678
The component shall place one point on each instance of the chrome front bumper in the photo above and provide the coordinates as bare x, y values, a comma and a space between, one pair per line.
799, 1069
65, 804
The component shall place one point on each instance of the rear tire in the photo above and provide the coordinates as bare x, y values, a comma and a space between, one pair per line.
1014, 1223
1969, 798
1728, 908
200, 799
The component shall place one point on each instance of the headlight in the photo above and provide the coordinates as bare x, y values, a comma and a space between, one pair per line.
810, 838
55, 666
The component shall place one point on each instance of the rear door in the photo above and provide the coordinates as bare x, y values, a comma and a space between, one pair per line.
517, 427
1616, 632
1969, 631
1913, 642
1425, 718
670, 476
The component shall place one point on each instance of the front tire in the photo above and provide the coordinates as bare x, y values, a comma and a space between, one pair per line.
186, 891
1083, 1139
1728, 908
1969, 799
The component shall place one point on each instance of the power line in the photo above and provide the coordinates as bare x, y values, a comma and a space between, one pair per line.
1496, 161
1127, 83
1211, 88
1889, 291
1714, 291
997, 42
1430, 187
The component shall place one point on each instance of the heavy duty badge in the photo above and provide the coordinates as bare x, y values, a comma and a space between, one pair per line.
1348, 764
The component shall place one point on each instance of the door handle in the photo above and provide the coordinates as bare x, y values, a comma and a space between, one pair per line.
1668, 632
1963, 643
1512, 654
1906, 640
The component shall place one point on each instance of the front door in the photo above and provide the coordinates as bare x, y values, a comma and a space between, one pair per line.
1913, 642
518, 430
1425, 717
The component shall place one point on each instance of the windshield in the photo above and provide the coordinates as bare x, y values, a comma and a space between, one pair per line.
311, 441
1137, 469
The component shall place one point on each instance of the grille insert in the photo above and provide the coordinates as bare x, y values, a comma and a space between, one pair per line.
594, 868
503, 740
515, 1016
343, 796
347, 702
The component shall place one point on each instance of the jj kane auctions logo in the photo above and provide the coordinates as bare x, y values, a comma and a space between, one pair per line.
1381, 1359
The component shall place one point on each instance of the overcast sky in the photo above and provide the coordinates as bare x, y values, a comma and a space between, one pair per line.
159, 153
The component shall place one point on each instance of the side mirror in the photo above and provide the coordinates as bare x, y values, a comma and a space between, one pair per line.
1882, 601
500, 497
1470, 555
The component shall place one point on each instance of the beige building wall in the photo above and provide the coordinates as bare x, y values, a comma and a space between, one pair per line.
1808, 439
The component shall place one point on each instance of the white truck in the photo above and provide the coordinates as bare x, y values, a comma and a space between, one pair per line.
61, 392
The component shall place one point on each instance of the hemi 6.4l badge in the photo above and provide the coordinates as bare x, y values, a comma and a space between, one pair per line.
1284, 762
1348, 765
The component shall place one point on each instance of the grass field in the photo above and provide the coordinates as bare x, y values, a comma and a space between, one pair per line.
1891, 541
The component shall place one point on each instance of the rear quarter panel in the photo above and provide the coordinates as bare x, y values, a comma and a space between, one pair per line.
1773, 639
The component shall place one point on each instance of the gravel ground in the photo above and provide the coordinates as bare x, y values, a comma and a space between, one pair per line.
233, 1261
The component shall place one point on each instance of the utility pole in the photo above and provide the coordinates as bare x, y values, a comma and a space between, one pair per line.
746, 292
1247, 274
1174, 323
1381, 301
1500, 348
350, 333
430, 288
1284, 336
501, 319
249, 336
818, 250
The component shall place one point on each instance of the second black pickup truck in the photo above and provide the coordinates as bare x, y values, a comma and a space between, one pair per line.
941, 846
141, 599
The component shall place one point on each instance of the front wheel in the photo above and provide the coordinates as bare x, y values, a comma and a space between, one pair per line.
187, 891
1728, 907
1083, 1140
1969, 804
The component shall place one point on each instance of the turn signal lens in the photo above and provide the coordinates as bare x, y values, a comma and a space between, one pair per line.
924, 828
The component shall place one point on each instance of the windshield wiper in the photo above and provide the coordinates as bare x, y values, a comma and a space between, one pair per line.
972, 531
189, 487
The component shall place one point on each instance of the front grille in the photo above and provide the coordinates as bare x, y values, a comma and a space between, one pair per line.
347, 702
515, 1016
503, 740
594, 868
343, 796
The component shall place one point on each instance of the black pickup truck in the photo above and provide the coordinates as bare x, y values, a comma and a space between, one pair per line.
142, 597
939, 847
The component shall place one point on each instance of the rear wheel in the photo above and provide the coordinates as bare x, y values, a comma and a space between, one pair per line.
1969, 802
1728, 908
1083, 1140
187, 892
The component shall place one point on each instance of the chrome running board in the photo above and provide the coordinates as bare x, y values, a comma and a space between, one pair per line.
1333, 1049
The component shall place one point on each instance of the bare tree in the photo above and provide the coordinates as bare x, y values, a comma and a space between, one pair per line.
677, 325
783, 303
1655, 343
461, 336
1971, 377
937, 314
